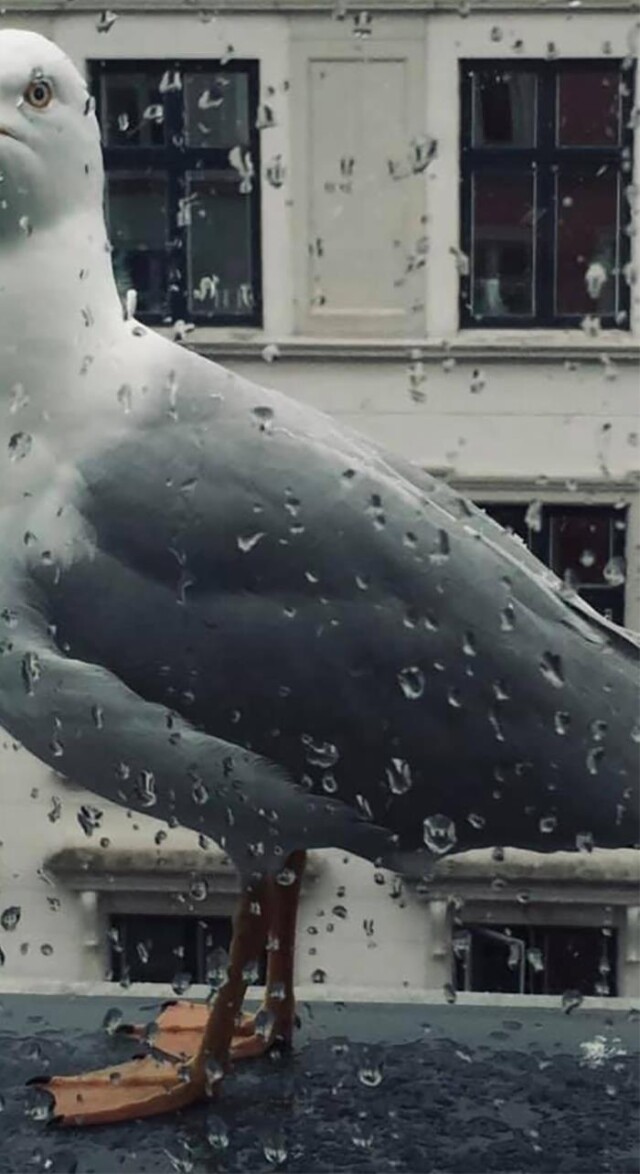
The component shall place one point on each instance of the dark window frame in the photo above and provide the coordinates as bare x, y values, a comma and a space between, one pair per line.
545, 156
176, 161
604, 597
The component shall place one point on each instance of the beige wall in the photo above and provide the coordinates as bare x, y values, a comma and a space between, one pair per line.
535, 429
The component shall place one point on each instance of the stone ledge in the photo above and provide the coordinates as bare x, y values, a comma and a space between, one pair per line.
111, 870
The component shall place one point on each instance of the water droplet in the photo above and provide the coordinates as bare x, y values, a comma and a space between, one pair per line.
319, 976
570, 1001
561, 721
398, 775
216, 1133
124, 396
322, 754
371, 1075
198, 889
275, 1150
39, 1104
31, 671
533, 516
507, 618
46, 949
10, 917
340, 911
89, 818
286, 877
594, 757
247, 542
112, 1020
145, 789
439, 833
251, 972
411, 681
453, 697
551, 669
265, 415
535, 959
547, 824
476, 821
469, 646
213, 1074
181, 982
584, 842
615, 572
443, 549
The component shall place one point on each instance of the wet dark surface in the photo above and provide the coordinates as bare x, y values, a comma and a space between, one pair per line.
368, 1088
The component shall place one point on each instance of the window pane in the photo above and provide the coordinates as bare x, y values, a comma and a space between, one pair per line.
152, 949
503, 244
586, 240
138, 222
220, 268
588, 108
581, 543
216, 109
504, 108
580, 960
132, 110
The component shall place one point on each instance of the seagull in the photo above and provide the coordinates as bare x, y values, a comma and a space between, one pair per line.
222, 608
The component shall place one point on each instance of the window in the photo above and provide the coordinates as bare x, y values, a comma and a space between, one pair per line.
181, 153
546, 168
166, 948
584, 545
535, 959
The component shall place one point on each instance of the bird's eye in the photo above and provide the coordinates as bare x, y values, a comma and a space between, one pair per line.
39, 94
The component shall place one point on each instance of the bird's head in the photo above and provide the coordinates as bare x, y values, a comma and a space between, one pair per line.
50, 156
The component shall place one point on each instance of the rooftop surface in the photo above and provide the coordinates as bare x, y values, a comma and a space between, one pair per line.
413, 1087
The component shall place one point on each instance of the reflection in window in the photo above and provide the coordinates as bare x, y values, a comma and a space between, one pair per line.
132, 109
137, 217
167, 948
584, 545
182, 194
535, 959
587, 237
219, 257
504, 108
216, 109
503, 243
588, 107
543, 164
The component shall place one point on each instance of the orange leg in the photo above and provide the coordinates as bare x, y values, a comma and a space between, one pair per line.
145, 1086
179, 1027
275, 1018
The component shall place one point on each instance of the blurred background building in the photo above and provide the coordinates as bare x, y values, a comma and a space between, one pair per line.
417, 217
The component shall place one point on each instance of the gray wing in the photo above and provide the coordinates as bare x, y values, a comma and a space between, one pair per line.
284, 587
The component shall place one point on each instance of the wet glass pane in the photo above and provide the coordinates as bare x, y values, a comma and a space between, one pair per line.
132, 110
219, 257
586, 240
138, 230
588, 103
504, 108
503, 244
581, 542
216, 109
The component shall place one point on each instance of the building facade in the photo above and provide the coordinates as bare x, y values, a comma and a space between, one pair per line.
419, 218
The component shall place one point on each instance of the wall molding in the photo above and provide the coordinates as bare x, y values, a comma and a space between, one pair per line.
230, 8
